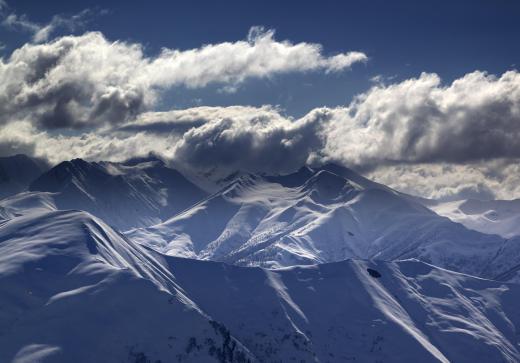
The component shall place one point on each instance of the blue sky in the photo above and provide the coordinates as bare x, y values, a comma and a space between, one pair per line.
402, 39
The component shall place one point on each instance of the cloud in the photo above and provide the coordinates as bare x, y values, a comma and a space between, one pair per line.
42, 33
14, 21
449, 181
419, 135
72, 23
261, 56
3, 6
216, 140
181, 121
80, 81
258, 140
220, 140
55, 147
72, 82
476, 117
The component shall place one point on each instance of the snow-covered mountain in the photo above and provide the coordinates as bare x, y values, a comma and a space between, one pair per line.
323, 215
17, 172
74, 290
500, 217
136, 193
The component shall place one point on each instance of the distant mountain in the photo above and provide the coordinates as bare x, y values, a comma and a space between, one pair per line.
72, 289
323, 215
136, 193
17, 172
500, 217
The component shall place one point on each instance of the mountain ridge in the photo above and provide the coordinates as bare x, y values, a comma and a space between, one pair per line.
138, 192
318, 216
59, 290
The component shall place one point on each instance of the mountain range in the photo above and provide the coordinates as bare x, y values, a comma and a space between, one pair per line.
323, 215
74, 289
320, 265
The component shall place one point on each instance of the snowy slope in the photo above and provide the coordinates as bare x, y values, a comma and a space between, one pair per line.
137, 193
26, 203
500, 217
319, 216
74, 290
17, 172
338, 312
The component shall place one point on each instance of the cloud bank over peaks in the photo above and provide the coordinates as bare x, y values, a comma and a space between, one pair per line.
86, 96
256, 141
87, 80
366, 135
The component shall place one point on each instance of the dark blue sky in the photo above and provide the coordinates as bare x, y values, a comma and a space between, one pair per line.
402, 39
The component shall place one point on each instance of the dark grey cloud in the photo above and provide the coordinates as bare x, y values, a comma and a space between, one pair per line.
257, 143
62, 84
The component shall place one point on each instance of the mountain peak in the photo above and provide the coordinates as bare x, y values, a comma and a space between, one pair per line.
326, 186
138, 193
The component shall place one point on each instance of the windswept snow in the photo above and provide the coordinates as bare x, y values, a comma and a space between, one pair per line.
26, 203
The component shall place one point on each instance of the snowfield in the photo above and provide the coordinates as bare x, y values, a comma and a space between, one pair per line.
74, 289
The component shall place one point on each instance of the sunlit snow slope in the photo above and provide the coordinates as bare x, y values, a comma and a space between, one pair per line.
324, 215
